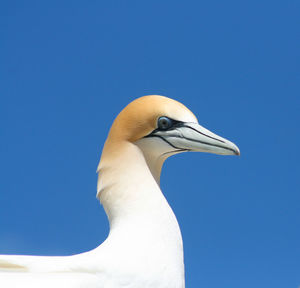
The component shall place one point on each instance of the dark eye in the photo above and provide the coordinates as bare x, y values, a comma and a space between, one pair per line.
164, 123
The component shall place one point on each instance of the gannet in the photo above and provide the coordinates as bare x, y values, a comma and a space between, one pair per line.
144, 246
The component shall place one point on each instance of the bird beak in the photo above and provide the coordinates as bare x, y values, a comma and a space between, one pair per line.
193, 137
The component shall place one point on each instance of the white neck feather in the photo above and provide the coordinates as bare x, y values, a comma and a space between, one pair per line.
139, 214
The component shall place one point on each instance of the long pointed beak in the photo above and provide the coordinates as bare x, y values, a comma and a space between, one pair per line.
194, 137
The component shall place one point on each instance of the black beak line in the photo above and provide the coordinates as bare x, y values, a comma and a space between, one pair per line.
182, 124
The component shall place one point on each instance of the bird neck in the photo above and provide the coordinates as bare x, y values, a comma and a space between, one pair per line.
128, 184
140, 218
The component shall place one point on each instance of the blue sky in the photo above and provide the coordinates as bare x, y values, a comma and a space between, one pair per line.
68, 67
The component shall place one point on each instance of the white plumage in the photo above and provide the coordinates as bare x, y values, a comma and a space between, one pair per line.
144, 246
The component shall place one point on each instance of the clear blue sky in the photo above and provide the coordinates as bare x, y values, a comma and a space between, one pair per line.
68, 67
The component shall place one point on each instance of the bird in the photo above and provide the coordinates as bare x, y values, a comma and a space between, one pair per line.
144, 246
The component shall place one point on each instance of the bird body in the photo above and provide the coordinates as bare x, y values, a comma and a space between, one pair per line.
144, 247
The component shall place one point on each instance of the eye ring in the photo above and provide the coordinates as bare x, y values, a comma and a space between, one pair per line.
164, 123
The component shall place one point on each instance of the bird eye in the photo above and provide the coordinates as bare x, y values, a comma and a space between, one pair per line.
164, 123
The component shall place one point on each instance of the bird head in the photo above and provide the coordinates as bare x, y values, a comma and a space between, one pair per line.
157, 127
161, 127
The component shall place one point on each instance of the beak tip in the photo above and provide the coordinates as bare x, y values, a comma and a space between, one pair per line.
237, 151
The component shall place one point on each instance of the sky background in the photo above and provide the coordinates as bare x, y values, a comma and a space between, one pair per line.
68, 67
